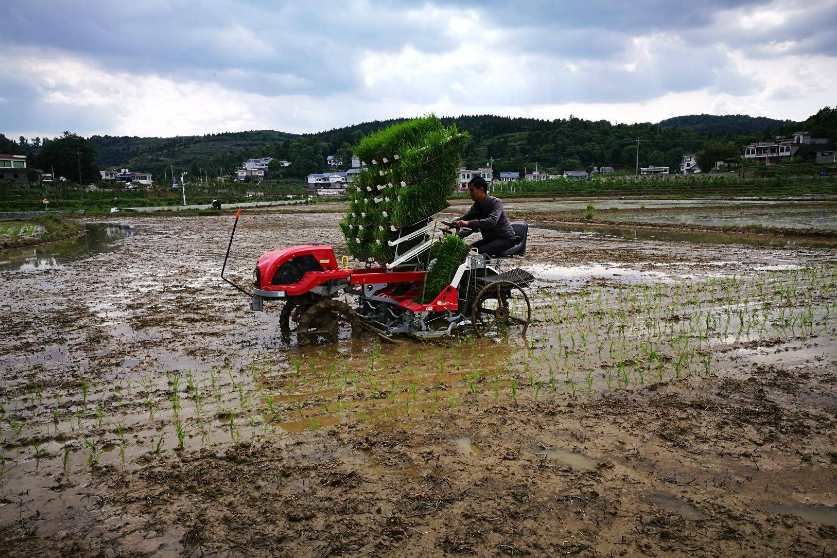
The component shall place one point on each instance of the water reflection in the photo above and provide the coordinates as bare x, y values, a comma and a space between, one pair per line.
98, 238
691, 236
577, 276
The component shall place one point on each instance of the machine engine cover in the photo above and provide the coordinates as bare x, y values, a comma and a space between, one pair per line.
297, 269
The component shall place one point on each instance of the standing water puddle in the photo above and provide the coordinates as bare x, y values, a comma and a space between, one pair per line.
827, 515
674, 505
577, 461
788, 218
98, 238
466, 446
576, 276
694, 237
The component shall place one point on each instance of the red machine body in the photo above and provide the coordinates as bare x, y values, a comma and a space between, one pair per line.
296, 270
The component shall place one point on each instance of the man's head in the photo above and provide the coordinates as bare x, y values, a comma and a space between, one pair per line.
478, 188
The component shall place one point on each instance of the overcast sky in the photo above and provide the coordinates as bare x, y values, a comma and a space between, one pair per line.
181, 67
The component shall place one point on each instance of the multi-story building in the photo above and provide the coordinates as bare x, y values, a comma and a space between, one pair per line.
13, 167
128, 177
252, 174
255, 169
332, 179
537, 176
465, 176
688, 164
783, 148
253, 164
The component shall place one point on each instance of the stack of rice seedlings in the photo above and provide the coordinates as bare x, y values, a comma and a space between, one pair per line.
410, 170
428, 173
446, 256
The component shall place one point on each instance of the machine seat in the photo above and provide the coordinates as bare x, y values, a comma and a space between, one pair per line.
521, 232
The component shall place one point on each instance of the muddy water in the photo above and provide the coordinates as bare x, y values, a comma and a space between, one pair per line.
576, 461
133, 380
786, 218
97, 238
716, 238
815, 514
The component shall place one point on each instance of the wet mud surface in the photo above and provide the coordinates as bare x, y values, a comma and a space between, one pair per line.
671, 398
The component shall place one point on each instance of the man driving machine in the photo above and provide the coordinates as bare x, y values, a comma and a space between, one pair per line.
487, 216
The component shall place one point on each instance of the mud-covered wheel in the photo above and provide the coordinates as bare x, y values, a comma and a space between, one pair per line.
327, 322
289, 317
500, 305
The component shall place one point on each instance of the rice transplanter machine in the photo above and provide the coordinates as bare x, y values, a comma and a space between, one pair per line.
324, 302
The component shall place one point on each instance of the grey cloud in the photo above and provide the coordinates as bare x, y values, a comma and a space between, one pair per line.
319, 42
638, 16
585, 44
313, 49
27, 115
809, 26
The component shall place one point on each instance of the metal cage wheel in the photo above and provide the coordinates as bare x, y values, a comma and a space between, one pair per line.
326, 322
290, 315
500, 304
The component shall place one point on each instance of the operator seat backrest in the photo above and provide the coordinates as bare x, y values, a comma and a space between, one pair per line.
521, 232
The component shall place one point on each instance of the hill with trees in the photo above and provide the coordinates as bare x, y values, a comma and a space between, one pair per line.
511, 144
730, 124
514, 144
823, 124
212, 153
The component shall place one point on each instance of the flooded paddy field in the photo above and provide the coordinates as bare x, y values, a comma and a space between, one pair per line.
743, 215
673, 396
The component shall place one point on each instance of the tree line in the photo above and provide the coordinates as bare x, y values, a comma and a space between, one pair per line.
509, 144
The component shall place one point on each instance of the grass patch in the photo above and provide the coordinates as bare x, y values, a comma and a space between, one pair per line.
48, 228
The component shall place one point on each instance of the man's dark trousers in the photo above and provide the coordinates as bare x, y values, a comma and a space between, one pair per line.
494, 247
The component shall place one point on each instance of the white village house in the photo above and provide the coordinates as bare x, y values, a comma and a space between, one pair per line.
688, 164
536, 176
127, 176
576, 175
254, 169
13, 167
252, 174
801, 144
653, 170
465, 176
603, 170
539, 176
252, 164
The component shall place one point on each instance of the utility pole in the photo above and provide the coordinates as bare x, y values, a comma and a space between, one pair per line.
183, 186
637, 156
80, 187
